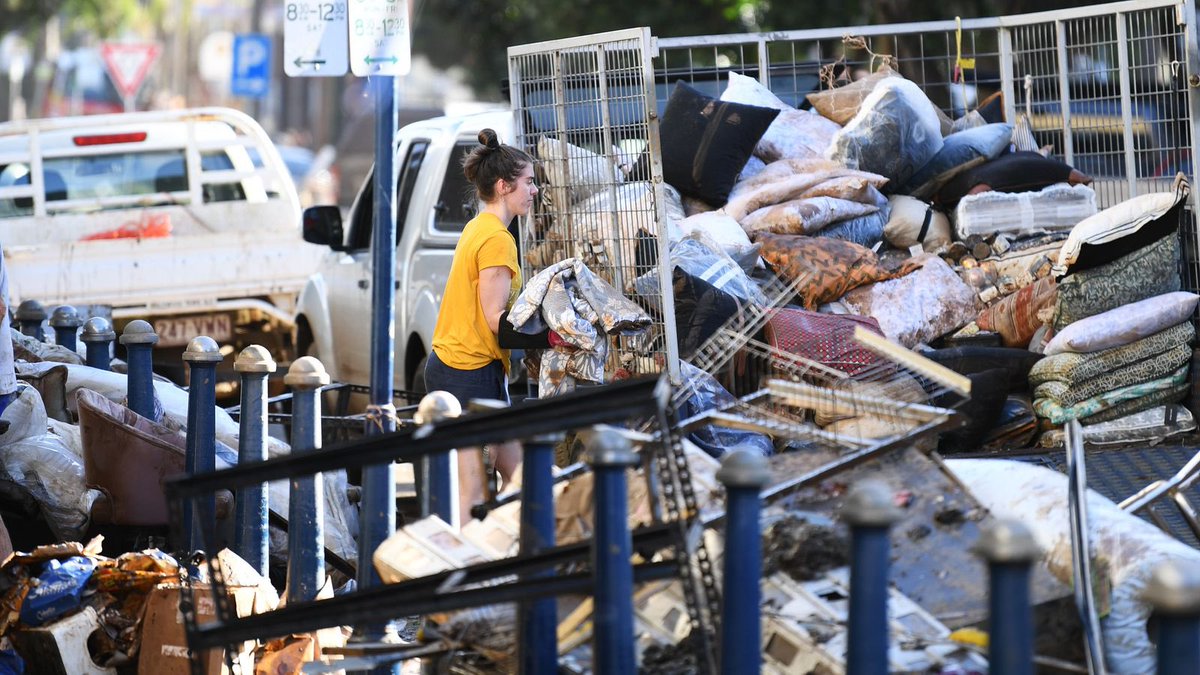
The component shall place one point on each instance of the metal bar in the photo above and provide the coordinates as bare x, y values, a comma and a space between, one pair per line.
306, 499
743, 473
1006, 74
202, 356
251, 539
1010, 551
616, 402
1157, 489
1081, 549
870, 512
1064, 91
420, 596
98, 337
612, 620
1187, 9
1131, 173
66, 322
538, 621
139, 340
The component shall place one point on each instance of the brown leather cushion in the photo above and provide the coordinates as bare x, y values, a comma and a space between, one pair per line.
51, 384
127, 456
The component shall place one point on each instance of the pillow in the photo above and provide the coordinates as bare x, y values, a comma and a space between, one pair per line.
865, 230
721, 229
896, 132
960, 151
842, 103
804, 216
822, 269
701, 309
1071, 368
1146, 272
1169, 394
1124, 324
590, 172
1119, 229
1014, 172
1015, 316
1154, 367
708, 263
1059, 414
915, 222
706, 142
919, 308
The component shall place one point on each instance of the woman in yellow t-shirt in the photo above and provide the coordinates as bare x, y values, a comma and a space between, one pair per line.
471, 340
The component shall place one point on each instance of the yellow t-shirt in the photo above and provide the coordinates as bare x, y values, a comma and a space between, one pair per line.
462, 338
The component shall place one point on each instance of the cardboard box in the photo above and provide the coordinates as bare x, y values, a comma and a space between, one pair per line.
164, 648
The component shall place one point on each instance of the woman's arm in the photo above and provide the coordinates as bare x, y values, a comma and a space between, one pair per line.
495, 283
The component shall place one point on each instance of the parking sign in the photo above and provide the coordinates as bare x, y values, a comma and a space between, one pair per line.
251, 65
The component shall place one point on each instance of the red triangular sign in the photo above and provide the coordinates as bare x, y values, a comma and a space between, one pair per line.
128, 64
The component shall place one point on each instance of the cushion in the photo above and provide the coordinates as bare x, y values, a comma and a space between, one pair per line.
706, 142
1124, 324
1014, 363
708, 263
1015, 317
589, 172
841, 104
701, 310
770, 188
1156, 398
1119, 229
915, 222
864, 230
795, 133
719, 228
804, 216
1159, 365
1013, 172
920, 307
1059, 414
960, 151
822, 269
1072, 368
1143, 273
894, 134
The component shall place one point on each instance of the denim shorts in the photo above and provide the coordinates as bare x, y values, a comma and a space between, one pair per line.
489, 381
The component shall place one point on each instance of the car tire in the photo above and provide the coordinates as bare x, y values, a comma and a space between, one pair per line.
416, 384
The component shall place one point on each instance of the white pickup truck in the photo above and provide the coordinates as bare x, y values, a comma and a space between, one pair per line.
432, 201
184, 218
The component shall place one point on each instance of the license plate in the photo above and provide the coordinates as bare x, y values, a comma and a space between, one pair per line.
178, 331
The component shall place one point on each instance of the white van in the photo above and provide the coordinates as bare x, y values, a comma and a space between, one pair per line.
161, 215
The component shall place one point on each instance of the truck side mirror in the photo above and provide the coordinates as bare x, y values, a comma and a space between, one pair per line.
323, 226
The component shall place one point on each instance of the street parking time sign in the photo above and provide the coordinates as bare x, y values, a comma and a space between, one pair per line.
314, 37
380, 41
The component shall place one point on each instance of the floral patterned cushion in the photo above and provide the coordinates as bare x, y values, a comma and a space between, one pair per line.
1071, 368
1145, 370
1058, 414
1140, 274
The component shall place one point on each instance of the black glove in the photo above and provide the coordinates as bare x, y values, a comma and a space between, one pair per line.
510, 339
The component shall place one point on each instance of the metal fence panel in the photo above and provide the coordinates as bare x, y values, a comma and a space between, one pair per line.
581, 108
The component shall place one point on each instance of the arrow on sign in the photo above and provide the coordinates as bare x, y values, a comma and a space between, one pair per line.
371, 59
300, 63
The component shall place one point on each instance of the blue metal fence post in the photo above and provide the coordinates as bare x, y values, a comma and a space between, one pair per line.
1174, 593
870, 512
1010, 551
98, 336
66, 322
254, 364
438, 482
743, 474
610, 455
139, 340
538, 619
306, 502
30, 315
377, 514
202, 356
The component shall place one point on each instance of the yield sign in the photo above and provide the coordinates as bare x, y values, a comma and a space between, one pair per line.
128, 64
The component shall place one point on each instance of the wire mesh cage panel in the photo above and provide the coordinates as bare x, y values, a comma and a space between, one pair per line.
581, 109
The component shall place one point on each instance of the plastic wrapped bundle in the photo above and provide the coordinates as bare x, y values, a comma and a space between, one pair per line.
1056, 208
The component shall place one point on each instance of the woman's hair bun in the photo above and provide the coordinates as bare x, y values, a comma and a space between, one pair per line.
489, 140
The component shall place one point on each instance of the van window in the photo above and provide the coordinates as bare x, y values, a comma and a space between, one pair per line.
456, 201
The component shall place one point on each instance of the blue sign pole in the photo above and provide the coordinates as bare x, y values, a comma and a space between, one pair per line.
378, 517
